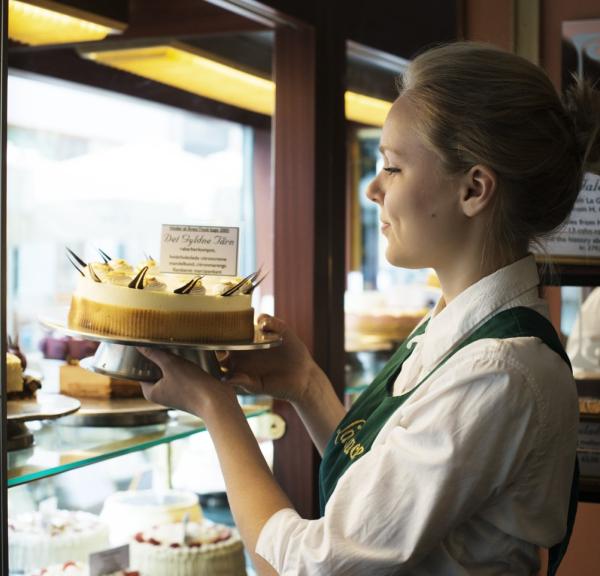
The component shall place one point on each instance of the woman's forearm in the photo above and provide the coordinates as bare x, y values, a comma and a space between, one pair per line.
320, 410
254, 495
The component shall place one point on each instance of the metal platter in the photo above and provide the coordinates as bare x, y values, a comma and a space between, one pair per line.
118, 357
42, 407
259, 342
117, 412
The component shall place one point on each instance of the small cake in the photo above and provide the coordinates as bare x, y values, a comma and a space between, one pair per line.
129, 512
19, 386
76, 569
199, 549
14, 373
384, 324
80, 383
44, 539
114, 298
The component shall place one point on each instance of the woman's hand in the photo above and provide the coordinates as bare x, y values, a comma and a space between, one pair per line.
286, 371
184, 385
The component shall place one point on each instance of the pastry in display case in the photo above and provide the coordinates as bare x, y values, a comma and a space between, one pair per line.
46, 538
129, 512
77, 569
188, 549
24, 404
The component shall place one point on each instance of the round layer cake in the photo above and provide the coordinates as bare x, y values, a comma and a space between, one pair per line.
115, 299
206, 549
126, 513
43, 539
76, 569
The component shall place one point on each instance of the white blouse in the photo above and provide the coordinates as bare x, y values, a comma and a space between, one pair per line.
470, 475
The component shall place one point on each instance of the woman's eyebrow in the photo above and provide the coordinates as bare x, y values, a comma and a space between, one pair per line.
384, 149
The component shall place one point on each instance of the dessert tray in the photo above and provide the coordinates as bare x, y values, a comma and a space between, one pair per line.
42, 407
117, 412
117, 356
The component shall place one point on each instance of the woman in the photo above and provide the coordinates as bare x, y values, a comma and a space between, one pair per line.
459, 459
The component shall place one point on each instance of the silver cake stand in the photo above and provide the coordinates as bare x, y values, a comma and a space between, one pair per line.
117, 356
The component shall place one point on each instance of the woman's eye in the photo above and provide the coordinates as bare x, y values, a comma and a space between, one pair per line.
391, 170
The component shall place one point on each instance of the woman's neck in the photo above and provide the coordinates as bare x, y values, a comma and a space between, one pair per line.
455, 277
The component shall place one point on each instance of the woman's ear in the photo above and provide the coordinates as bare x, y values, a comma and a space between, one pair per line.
478, 188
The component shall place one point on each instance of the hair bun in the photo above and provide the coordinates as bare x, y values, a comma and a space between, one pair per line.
582, 102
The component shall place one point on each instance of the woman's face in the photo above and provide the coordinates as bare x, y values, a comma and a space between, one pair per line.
420, 211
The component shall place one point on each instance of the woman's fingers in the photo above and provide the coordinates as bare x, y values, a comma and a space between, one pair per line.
159, 357
271, 324
149, 391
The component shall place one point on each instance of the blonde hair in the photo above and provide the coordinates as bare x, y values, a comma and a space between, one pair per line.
476, 104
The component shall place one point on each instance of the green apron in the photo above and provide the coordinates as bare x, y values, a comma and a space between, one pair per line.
363, 422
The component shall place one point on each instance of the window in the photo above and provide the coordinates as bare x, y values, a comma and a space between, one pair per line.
91, 169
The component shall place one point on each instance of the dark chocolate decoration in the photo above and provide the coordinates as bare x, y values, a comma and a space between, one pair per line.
234, 289
188, 286
93, 274
138, 281
79, 260
255, 284
75, 265
105, 256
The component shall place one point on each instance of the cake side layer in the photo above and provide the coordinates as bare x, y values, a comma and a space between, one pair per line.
182, 326
158, 299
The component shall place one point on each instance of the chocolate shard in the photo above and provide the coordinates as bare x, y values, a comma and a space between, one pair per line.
188, 286
75, 265
105, 256
234, 289
79, 260
138, 281
93, 274
255, 283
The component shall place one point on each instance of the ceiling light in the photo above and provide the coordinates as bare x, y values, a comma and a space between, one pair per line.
39, 22
193, 73
187, 70
366, 109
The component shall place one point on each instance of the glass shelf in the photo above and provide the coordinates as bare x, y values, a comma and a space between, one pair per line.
59, 448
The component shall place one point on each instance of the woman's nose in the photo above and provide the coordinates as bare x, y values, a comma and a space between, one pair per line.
374, 192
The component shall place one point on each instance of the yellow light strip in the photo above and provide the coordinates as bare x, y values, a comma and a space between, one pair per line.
193, 73
197, 74
47, 22
365, 109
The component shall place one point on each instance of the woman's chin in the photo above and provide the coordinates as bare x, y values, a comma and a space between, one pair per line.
404, 260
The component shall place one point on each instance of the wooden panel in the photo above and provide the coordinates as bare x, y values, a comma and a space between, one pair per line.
486, 21
182, 18
553, 15
294, 139
309, 222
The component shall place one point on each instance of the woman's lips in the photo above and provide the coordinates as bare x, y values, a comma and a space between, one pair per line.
384, 226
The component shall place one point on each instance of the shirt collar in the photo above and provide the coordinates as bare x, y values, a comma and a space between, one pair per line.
450, 323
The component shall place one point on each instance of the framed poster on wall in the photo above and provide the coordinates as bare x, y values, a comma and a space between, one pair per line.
575, 248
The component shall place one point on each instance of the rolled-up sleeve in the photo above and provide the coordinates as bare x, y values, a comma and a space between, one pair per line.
434, 464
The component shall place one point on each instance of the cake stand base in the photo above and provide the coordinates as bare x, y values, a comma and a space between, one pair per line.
18, 436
